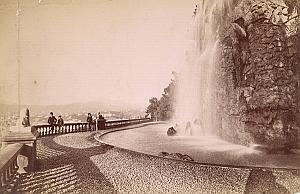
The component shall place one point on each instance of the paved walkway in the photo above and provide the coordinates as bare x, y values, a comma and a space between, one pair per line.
76, 163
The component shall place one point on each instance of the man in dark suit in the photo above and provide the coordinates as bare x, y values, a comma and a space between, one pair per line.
52, 121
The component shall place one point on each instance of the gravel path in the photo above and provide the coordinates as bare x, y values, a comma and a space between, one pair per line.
76, 163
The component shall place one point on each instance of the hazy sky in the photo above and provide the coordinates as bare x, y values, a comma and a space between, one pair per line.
89, 50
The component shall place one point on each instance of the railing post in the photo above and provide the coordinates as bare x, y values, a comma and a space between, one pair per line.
7, 175
16, 167
10, 171
1, 184
84, 127
3, 178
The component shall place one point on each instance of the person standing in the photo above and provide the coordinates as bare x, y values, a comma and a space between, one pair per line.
52, 121
60, 123
89, 120
100, 122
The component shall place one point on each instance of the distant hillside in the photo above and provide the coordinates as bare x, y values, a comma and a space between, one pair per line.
92, 107
8, 108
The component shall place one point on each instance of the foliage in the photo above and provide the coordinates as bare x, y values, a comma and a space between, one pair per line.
163, 108
152, 109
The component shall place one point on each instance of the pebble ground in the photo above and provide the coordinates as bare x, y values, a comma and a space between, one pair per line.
76, 163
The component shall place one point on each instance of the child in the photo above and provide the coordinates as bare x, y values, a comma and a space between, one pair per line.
60, 123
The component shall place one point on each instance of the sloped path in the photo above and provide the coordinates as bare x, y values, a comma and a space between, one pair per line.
75, 163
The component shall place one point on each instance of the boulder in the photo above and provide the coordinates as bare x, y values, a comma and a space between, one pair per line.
171, 131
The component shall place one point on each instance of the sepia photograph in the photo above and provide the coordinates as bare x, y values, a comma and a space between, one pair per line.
150, 96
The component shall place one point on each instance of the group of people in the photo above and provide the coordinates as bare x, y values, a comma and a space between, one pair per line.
52, 121
91, 122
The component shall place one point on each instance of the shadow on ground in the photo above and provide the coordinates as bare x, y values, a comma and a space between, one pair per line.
99, 168
63, 169
263, 181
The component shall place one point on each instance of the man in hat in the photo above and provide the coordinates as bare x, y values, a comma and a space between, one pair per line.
52, 121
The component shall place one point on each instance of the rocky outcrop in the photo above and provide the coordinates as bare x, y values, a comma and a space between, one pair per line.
258, 75
177, 156
171, 131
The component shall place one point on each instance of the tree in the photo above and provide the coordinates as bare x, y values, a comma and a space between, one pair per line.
166, 102
153, 107
163, 108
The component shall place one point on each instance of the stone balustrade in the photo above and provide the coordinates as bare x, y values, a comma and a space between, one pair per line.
45, 130
122, 123
8, 165
24, 143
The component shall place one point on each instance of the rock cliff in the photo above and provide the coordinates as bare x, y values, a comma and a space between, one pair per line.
258, 74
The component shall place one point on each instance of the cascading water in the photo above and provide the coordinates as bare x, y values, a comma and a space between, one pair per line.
195, 105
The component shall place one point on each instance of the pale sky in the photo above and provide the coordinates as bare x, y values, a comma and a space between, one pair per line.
90, 50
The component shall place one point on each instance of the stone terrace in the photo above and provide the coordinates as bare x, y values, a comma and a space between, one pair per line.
76, 163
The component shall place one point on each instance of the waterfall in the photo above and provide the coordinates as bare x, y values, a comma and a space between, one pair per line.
195, 109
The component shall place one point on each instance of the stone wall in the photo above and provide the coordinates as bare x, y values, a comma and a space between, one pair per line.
258, 75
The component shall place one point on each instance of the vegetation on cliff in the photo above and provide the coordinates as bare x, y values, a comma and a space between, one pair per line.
163, 108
